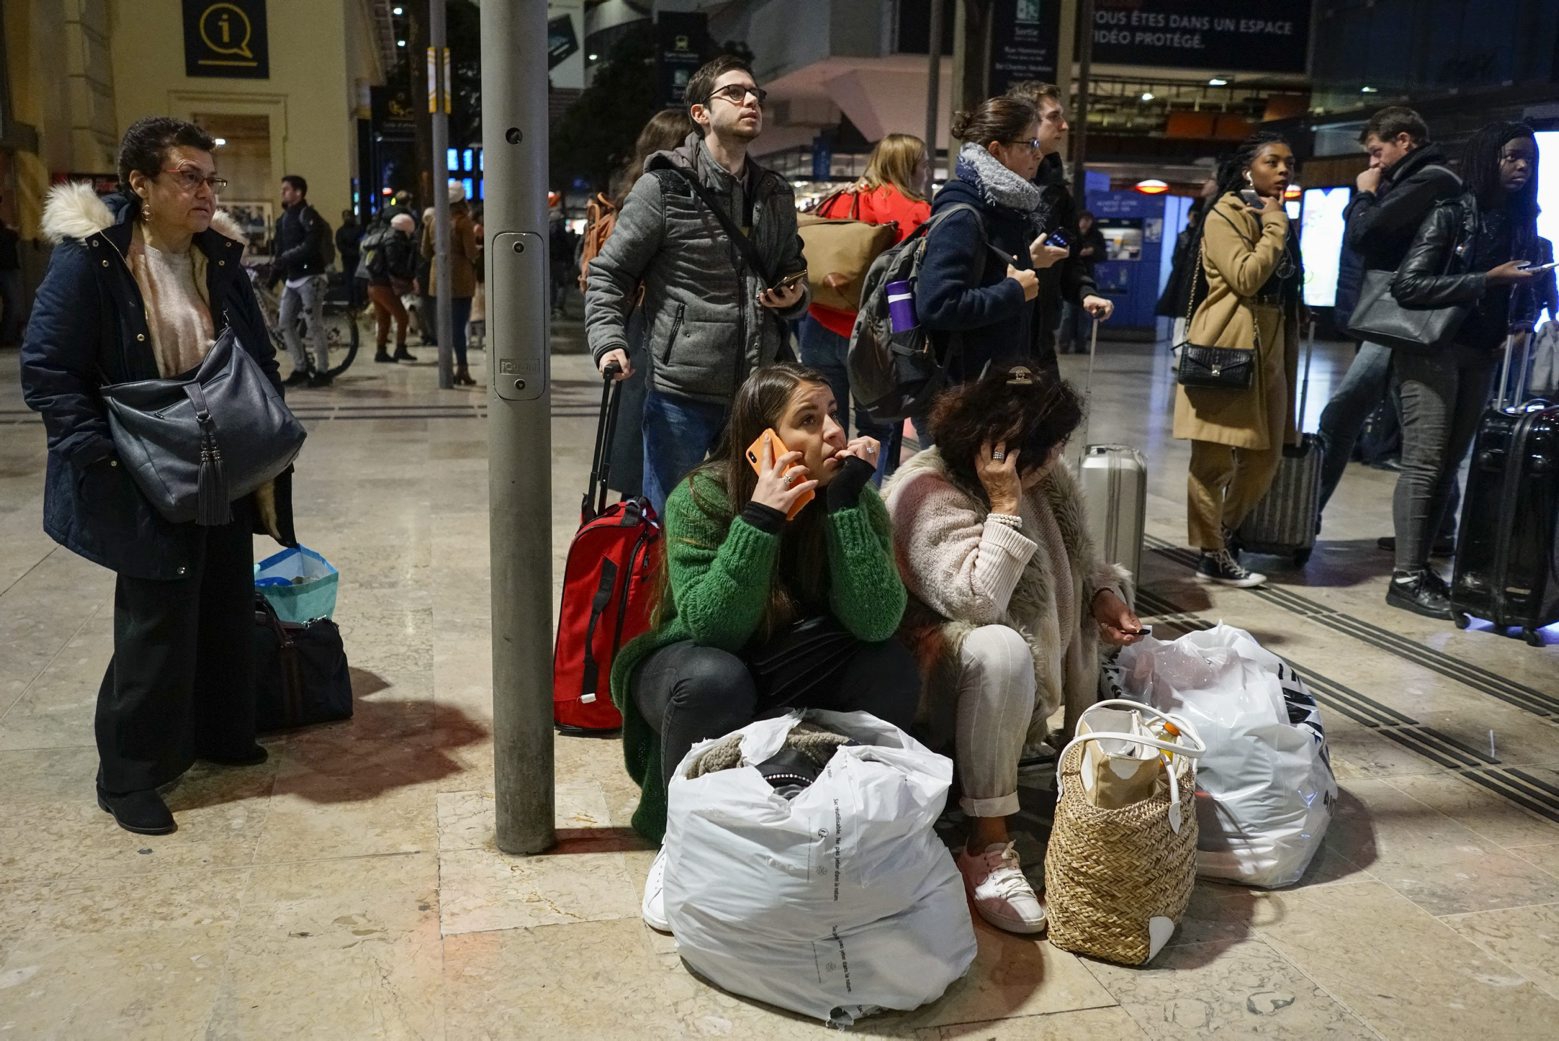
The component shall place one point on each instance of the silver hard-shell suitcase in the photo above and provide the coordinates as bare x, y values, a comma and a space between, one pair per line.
1285, 522
1114, 481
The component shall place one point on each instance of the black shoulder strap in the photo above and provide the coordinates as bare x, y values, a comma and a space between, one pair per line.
743, 244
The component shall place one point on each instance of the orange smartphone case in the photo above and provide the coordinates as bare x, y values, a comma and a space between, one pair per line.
754, 457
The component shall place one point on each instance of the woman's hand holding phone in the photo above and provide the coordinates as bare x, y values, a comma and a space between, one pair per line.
1044, 255
783, 483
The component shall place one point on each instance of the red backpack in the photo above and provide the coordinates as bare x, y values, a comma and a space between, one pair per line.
608, 586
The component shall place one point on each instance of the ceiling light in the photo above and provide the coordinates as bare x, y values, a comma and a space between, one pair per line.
400, 43
1152, 186
397, 11
1217, 81
219, 141
593, 57
1369, 90
1147, 95
1293, 191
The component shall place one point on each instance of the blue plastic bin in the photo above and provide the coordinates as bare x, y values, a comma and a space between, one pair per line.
299, 583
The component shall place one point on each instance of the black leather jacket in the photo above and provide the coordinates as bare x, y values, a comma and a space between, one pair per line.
1442, 269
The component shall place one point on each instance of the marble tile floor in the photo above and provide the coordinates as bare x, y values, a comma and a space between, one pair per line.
350, 888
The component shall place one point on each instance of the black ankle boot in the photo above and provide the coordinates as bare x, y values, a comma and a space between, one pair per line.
142, 812
1422, 592
402, 354
383, 355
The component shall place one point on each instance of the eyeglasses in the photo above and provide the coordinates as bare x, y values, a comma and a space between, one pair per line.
1032, 142
736, 93
190, 179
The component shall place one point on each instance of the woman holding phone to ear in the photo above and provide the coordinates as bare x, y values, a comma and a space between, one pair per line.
1248, 288
744, 585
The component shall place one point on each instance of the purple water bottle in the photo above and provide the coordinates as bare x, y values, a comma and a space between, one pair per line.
901, 306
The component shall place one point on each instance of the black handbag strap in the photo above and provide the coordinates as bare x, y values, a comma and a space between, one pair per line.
742, 243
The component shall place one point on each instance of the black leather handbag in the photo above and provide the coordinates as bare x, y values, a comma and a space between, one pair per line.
1221, 368
196, 443
1378, 318
301, 675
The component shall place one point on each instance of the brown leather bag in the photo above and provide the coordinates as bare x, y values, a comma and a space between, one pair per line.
840, 251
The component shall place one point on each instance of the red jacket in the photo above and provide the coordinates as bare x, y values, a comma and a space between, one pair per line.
878, 206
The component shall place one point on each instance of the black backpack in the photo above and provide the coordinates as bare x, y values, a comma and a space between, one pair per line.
893, 375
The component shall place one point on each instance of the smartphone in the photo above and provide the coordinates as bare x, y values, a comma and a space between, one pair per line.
1538, 269
1146, 630
755, 457
789, 280
1251, 197
1058, 239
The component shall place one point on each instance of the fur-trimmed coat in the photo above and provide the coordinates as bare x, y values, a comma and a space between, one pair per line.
940, 532
89, 328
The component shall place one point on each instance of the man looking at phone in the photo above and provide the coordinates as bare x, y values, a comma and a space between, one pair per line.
1406, 178
1071, 280
711, 316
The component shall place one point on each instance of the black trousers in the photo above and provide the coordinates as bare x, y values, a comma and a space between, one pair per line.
689, 693
180, 683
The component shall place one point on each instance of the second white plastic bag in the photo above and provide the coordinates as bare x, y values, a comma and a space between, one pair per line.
836, 903
1265, 788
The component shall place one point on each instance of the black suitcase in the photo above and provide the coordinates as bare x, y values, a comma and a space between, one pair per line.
1286, 520
1507, 558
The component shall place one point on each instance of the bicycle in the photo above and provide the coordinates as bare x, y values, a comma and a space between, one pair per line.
342, 333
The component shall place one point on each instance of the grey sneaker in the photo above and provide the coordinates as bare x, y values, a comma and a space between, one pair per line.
1221, 567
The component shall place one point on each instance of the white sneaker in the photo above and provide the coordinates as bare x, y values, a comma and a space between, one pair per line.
1001, 893
653, 910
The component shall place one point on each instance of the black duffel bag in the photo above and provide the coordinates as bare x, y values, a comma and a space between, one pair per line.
300, 673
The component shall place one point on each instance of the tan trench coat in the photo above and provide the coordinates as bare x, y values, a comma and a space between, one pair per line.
1239, 254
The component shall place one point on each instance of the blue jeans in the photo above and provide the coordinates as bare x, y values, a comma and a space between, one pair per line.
1366, 383
678, 433
460, 312
828, 352
1342, 419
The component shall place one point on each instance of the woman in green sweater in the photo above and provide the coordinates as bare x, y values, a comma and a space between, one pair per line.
740, 578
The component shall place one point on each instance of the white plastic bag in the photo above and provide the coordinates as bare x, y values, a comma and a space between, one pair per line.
1265, 788
835, 904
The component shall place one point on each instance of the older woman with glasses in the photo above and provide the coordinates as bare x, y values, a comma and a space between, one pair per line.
139, 286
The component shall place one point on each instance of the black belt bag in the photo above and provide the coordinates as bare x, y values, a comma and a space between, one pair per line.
196, 443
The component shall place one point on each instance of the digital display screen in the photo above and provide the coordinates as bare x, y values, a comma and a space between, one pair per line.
1320, 242
1548, 184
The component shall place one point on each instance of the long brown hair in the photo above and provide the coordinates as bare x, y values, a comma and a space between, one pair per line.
665, 130
801, 574
893, 162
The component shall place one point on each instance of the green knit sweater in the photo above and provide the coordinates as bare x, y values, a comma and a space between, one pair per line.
720, 569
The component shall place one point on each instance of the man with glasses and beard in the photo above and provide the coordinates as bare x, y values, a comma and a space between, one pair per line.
712, 317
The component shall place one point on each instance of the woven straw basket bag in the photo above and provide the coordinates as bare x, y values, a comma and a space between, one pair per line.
1117, 881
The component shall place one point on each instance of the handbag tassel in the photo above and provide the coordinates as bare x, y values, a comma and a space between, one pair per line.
212, 508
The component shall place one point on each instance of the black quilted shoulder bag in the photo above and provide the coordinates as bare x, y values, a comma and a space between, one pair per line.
1224, 368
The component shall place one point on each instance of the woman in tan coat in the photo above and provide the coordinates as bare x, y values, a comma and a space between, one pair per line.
463, 257
1251, 273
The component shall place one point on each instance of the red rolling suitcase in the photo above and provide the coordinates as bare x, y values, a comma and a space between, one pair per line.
607, 587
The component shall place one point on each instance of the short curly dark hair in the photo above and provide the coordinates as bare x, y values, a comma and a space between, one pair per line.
1030, 410
146, 143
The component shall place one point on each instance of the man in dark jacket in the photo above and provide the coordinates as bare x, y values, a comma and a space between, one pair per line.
10, 285
1087, 251
1406, 177
300, 260
712, 319
1070, 281
349, 237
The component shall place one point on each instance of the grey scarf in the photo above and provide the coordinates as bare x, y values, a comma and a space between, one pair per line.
998, 185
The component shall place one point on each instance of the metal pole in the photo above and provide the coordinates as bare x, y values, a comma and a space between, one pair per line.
438, 102
519, 468
1080, 112
934, 87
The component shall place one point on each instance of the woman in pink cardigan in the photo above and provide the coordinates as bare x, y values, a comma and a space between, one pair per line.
1007, 603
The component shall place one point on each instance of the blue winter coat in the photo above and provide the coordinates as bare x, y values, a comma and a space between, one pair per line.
963, 285
89, 329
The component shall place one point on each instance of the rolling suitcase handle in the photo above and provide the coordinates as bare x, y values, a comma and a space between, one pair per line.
594, 501
1304, 386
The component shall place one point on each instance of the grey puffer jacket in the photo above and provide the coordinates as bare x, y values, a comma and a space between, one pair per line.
707, 330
